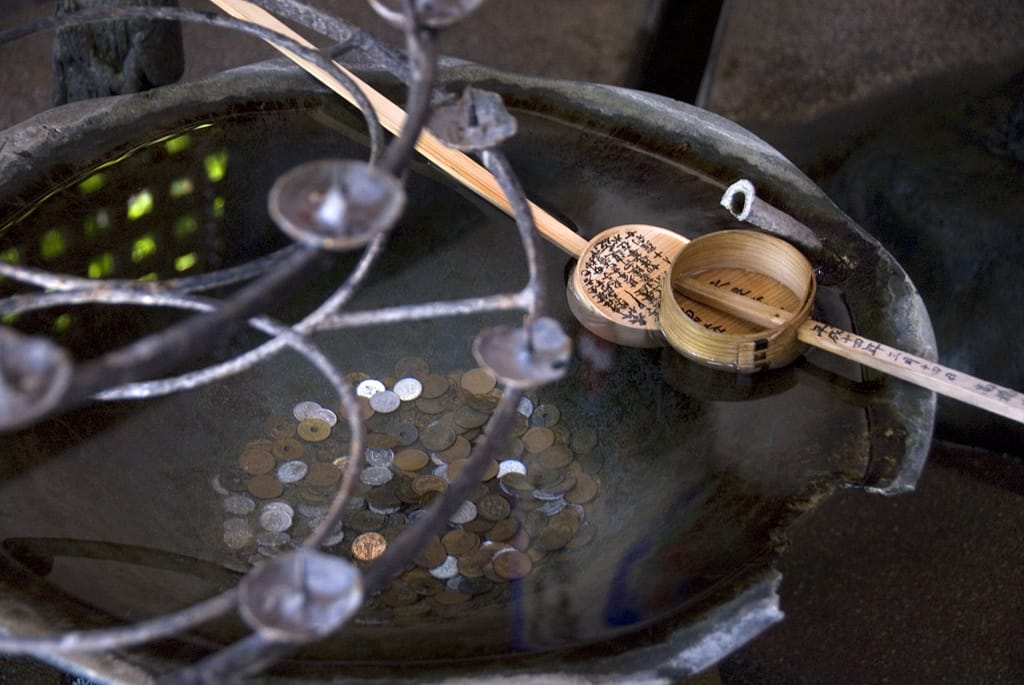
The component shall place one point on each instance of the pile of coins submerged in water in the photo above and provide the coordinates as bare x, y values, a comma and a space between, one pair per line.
536, 499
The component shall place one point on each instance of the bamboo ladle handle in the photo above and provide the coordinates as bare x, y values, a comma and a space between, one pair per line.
454, 163
889, 360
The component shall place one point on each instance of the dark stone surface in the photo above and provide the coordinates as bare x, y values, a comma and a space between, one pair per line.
941, 188
115, 57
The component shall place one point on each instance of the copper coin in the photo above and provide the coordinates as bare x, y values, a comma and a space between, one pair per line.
421, 485
434, 386
322, 474
467, 417
432, 555
411, 460
460, 449
280, 427
429, 405
412, 366
365, 410
287, 449
459, 542
545, 415
368, 546
364, 521
381, 441
256, 460
264, 486
553, 538
437, 436
478, 381
314, 430
451, 597
511, 564
494, 508
538, 439
503, 530
584, 439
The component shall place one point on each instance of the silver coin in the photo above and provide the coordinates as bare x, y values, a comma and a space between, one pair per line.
449, 568
326, 415
464, 514
408, 389
381, 457
415, 515
370, 387
312, 510
375, 475
510, 466
269, 538
335, 538
292, 471
278, 505
406, 432
275, 520
239, 505
218, 488
237, 533
385, 402
546, 496
441, 471
553, 507
304, 410
525, 406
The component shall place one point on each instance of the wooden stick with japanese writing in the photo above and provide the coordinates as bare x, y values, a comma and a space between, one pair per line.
911, 368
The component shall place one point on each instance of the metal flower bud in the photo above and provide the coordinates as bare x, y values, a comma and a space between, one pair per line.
34, 375
434, 14
476, 121
335, 204
522, 358
300, 596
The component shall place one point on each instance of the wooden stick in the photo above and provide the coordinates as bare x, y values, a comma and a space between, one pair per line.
888, 360
454, 163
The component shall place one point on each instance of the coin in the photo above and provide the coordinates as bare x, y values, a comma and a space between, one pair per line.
385, 402
448, 568
586, 489
431, 555
437, 436
545, 415
452, 597
239, 505
292, 471
237, 533
478, 381
376, 475
411, 460
538, 439
275, 520
434, 386
232, 479
460, 449
411, 366
368, 546
468, 417
553, 538
379, 457
264, 486
493, 508
364, 521
287, 448
256, 460
429, 405
399, 594
369, 387
304, 410
525, 406
382, 501
408, 388
326, 415
381, 441
406, 433
322, 474
556, 457
421, 485
280, 427
314, 430
458, 542
584, 439
511, 564
365, 410
464, 514
503, 530
510, 466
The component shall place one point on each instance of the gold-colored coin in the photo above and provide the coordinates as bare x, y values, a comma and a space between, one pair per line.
538, 439
586, 489
511, 564
256, 460
429, 405
478, 381
314, 430
322, 474
411, 460
458, 542
381, 441
456, 468
288, 449
460, 449
493, 508
368, 546
399, 595
279, 426
264, 486
365, 410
